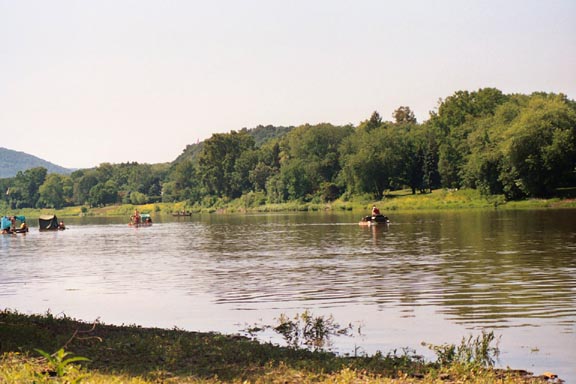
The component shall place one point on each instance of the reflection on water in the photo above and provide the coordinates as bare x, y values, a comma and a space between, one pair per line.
424, 275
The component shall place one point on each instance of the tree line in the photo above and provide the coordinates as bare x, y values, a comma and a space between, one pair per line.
513, 145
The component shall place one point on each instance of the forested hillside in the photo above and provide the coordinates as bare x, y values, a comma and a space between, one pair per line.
12, 162
261, 135
515, 146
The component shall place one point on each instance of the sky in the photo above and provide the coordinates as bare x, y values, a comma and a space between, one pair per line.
85, 82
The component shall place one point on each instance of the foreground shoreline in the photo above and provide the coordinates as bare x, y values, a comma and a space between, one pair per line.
133, 354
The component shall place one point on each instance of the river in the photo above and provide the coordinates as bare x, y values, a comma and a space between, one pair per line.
426, 277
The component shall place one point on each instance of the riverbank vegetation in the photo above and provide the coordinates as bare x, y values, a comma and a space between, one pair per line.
506, 147
396, 201
99, 353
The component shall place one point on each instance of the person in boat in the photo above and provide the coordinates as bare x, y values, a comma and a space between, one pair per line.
375, 211
12, 228
7, 225
136, 217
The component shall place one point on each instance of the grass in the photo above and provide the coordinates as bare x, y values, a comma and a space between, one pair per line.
132, 354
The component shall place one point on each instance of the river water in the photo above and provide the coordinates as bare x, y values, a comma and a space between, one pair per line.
426, 277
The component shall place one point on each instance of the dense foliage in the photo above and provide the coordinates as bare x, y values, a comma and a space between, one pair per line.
516, 146
107, 184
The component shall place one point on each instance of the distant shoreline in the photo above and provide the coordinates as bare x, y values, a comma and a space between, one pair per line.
398, 201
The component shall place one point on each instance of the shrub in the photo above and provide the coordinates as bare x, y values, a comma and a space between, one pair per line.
471, 351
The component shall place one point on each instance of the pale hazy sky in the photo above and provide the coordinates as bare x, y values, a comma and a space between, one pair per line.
90, 81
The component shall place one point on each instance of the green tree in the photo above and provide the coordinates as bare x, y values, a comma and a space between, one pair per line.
277, 192
457, 118
182, 183
138, 198
259, 176
68, 190
103, 193
484, 164
314, 150
269, 154
464, 106
375, 121
297, 180
52, 192
217, 163
404, 115
431, 176
85, 181
23, 193
243, 167
539, 147
410, 146
370, 162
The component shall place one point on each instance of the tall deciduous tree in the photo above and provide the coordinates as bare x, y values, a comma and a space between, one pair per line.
539, 147
410, 145
456, 119
52, 192
404, 115
317, 146
217, 163
24, 190
84, 181
103, 193
370, 162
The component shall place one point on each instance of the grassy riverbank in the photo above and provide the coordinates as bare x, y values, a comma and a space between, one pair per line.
397, 201
132, 354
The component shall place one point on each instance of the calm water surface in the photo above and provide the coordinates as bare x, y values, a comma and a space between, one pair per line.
432, 277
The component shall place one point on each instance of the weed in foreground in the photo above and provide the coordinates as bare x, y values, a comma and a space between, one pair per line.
305, 330
472, 351
59, 363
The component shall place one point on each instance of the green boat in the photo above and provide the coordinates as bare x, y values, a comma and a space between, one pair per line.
13, 224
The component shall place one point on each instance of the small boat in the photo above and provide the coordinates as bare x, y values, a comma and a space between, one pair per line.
374, 220
8, 224
142, 220
50, 223
181, 213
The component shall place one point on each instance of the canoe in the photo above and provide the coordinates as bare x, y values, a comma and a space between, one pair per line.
13, 224
374, 220
144, 220
50, 223
140, 225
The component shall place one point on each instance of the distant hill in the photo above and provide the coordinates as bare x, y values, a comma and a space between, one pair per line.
261, 135
11, 162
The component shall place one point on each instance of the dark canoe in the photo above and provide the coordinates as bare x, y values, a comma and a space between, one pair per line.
374, 220
49, 223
